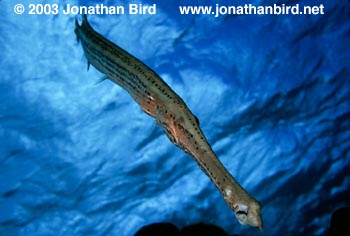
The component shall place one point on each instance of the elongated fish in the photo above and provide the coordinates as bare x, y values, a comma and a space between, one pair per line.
158, 100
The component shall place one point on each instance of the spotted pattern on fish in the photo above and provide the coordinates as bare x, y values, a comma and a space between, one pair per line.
158, 100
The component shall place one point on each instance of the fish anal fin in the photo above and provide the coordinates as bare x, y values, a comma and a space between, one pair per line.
101, 80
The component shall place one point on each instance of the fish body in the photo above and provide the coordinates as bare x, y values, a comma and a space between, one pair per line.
158, 100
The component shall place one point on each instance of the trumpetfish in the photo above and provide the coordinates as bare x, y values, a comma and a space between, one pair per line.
159, 101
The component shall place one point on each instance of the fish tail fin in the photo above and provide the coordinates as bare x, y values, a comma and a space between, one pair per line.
85, 22
76, 30
84, 17
78, 27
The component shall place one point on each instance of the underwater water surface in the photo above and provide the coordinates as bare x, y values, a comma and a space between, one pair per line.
271, 92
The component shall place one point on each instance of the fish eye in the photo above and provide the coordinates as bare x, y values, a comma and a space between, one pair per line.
242, 217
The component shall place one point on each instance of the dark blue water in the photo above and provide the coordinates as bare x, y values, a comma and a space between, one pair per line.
79, 157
